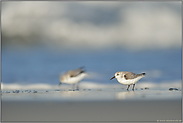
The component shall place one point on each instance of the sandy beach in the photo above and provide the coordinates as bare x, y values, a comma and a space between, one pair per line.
92, 105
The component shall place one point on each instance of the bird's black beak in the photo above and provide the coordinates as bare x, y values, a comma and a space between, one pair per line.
112, 77
59, 84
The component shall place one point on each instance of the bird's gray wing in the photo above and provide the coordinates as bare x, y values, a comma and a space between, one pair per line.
74, 73
129, 75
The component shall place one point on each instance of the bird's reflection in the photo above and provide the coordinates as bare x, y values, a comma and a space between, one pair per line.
125, 95
70, 93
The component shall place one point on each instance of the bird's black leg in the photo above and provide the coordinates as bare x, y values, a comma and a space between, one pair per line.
128, 87
133, 87
73, 87
77, 86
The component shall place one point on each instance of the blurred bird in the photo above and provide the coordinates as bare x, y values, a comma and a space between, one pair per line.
73, 77
128, 78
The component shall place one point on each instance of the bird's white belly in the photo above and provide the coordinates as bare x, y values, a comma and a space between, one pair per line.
129, 81
73, 80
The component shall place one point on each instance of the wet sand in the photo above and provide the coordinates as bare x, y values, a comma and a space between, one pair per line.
97, 105
91, 111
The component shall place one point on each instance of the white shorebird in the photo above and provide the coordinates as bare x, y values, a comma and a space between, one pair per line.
128, 78
73, 77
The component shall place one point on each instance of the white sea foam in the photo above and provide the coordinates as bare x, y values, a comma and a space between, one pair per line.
28, 86
91, 85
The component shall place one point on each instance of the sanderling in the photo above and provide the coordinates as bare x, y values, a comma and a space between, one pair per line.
128, 78
73, 77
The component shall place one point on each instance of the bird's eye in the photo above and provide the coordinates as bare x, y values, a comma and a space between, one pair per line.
117, 74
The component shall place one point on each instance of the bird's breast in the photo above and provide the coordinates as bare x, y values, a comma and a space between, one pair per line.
73, 80
129, 81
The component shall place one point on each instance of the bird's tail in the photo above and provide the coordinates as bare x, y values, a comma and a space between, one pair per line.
82, 69
143, 74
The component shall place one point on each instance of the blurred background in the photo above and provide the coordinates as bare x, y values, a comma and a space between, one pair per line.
42, 39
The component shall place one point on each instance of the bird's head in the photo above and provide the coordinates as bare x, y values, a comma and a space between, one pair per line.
117, 75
